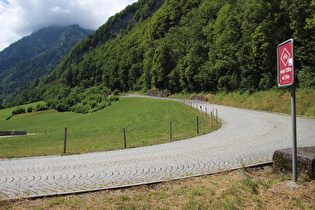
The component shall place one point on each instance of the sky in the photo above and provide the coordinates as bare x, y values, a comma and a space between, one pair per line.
19, 18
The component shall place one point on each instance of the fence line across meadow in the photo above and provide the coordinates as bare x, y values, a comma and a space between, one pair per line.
212, 113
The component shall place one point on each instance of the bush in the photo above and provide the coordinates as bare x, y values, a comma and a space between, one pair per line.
40, 107
92, 104
116, 92
62, 107
101, 106
19, 110
83, 100
52, 103
80, 108
30, 109
113, 99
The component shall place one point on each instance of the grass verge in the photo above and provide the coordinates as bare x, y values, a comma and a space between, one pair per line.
274, 100
147, 122
225, 190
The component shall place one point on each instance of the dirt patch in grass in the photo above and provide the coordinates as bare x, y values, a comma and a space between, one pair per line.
227, 190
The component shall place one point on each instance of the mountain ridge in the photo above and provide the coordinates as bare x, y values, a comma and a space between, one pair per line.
122, 22
36, 55
184, 46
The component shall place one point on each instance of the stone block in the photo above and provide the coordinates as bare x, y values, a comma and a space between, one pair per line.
158, 93
282, 160
198, 98
12, 133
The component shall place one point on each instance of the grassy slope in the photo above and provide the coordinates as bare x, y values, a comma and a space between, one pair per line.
5, 113
275, 100
146, 122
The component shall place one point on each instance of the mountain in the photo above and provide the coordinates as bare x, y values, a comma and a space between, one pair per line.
36, 55
184, 46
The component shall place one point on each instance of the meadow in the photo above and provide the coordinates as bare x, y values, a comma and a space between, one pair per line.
146, 121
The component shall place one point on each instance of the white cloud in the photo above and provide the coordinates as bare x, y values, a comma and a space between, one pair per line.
19, 18
58, 10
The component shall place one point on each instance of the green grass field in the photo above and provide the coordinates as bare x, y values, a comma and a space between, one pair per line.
5, 113
146, 121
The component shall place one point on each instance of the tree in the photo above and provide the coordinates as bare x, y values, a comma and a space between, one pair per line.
163, 64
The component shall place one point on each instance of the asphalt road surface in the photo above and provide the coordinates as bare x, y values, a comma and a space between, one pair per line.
246, 136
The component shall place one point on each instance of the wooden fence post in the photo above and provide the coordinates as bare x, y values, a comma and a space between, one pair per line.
125, 140
197, 125
171, 130
211, 120
65, 142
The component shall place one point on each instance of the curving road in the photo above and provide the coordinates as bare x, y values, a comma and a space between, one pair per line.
246, 137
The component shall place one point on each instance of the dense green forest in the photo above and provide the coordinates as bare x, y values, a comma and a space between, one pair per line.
186, 46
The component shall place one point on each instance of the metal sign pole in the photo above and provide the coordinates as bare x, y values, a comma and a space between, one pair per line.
294, 148
285, 70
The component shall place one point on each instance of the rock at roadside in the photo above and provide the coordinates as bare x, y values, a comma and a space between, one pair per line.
158, 93
282, 160
198, 98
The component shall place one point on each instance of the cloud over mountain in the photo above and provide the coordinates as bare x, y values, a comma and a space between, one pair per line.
22, 17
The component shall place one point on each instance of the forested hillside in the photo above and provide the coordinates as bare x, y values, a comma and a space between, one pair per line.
186, 46
36, 55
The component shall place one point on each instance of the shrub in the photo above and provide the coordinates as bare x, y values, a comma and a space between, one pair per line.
116, 92
30, 109
113, 99
62, 107
40, 107
83, 100
19, 110
101, 106
80, 108
52, 103
92, 104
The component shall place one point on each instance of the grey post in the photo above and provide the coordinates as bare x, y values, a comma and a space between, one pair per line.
294, 148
